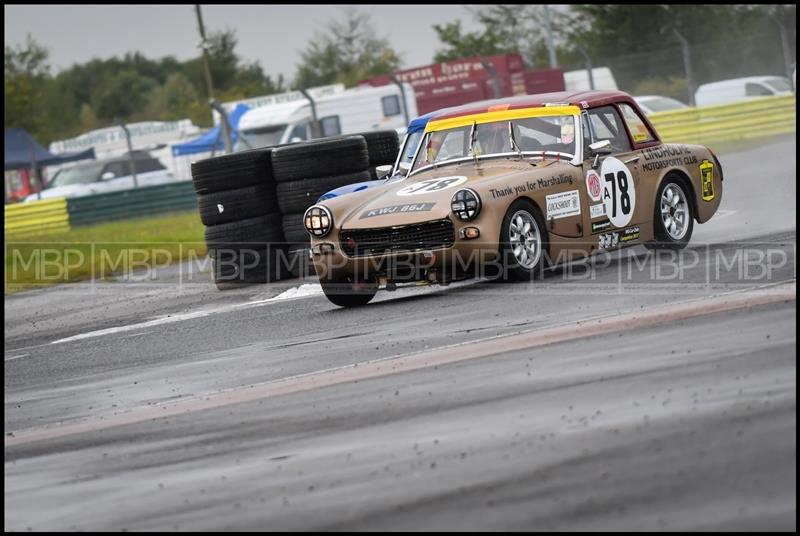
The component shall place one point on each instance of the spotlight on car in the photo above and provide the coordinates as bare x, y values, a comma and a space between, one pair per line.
318, 220
466, 204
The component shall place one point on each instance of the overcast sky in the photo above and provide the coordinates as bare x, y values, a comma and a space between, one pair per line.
272, 34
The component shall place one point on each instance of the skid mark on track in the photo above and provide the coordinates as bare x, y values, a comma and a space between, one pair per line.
588, 327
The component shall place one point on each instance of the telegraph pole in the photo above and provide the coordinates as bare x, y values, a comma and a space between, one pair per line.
226, 134
551, 48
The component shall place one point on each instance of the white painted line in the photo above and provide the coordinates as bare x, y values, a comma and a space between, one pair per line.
13, 357
307, 290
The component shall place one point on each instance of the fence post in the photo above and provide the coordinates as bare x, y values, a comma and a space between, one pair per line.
687, 64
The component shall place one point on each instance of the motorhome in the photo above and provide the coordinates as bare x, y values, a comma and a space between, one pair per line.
602, 78
358, 109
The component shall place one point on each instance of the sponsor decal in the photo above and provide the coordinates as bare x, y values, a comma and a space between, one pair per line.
615, 238
608, 240
707, 178
598, 226
561, 178
665, 156
619, 192
631, 233
563, 205
596, 211
593, 187
397, 209
431, 185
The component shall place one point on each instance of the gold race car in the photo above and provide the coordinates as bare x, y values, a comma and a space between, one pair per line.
512, 186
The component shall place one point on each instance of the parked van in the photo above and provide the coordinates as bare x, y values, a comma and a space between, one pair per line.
354, 110
738, 89
579, 80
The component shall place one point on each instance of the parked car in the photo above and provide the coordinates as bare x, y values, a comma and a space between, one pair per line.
515, 184
738, 89
105, 176
651, 104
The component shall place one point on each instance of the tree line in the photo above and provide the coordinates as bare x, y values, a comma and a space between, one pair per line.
638, 43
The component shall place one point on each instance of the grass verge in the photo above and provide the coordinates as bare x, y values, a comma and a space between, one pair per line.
101, 251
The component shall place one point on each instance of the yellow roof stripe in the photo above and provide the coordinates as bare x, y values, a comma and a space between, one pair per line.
500, 115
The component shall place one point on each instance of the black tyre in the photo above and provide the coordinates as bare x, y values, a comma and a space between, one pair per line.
233, 205
346, 294
294, 230
232, 171
673, 215
233, 268
523, 241
296, 196
320, 158
382, 146
254, 233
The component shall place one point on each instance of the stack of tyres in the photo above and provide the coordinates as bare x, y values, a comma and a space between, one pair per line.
305, 171
382, 146
238, 206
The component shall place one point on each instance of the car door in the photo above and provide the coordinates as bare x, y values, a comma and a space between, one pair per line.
611, 185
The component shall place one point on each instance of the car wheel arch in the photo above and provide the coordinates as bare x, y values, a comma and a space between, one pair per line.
681, 176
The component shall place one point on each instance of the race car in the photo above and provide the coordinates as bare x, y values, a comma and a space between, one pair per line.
515, 185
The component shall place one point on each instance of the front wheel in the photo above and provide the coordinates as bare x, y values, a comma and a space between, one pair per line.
523, 241
673, 220
348, 294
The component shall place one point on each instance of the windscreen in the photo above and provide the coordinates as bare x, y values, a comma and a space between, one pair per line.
77, 175
553, 134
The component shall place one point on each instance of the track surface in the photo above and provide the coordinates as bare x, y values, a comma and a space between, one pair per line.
684, 424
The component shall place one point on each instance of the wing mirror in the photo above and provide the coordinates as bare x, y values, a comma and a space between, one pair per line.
383, 171
108, 175
403, 168
598, 148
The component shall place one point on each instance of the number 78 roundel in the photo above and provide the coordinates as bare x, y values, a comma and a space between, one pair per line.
619, 192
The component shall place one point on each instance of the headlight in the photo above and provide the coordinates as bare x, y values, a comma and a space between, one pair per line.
318, 220
466, 204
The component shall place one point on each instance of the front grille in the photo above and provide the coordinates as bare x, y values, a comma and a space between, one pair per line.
428, 235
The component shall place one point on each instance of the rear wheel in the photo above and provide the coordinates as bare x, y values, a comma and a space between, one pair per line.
523, 241
348, 294
673, 218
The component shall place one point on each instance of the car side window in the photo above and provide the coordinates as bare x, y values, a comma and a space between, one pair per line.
636, 126
145, 166
756, 90
119, 169
606, 124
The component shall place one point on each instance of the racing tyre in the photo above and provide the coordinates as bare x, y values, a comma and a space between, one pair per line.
320, 158
382, 146
673, 217
233, 205
232, 171
296, 196
234, 268
293, 229
523, 242
346, 294
253, 233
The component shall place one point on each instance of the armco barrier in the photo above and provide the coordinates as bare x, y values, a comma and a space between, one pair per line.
36, 217
752, 118
144, 201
